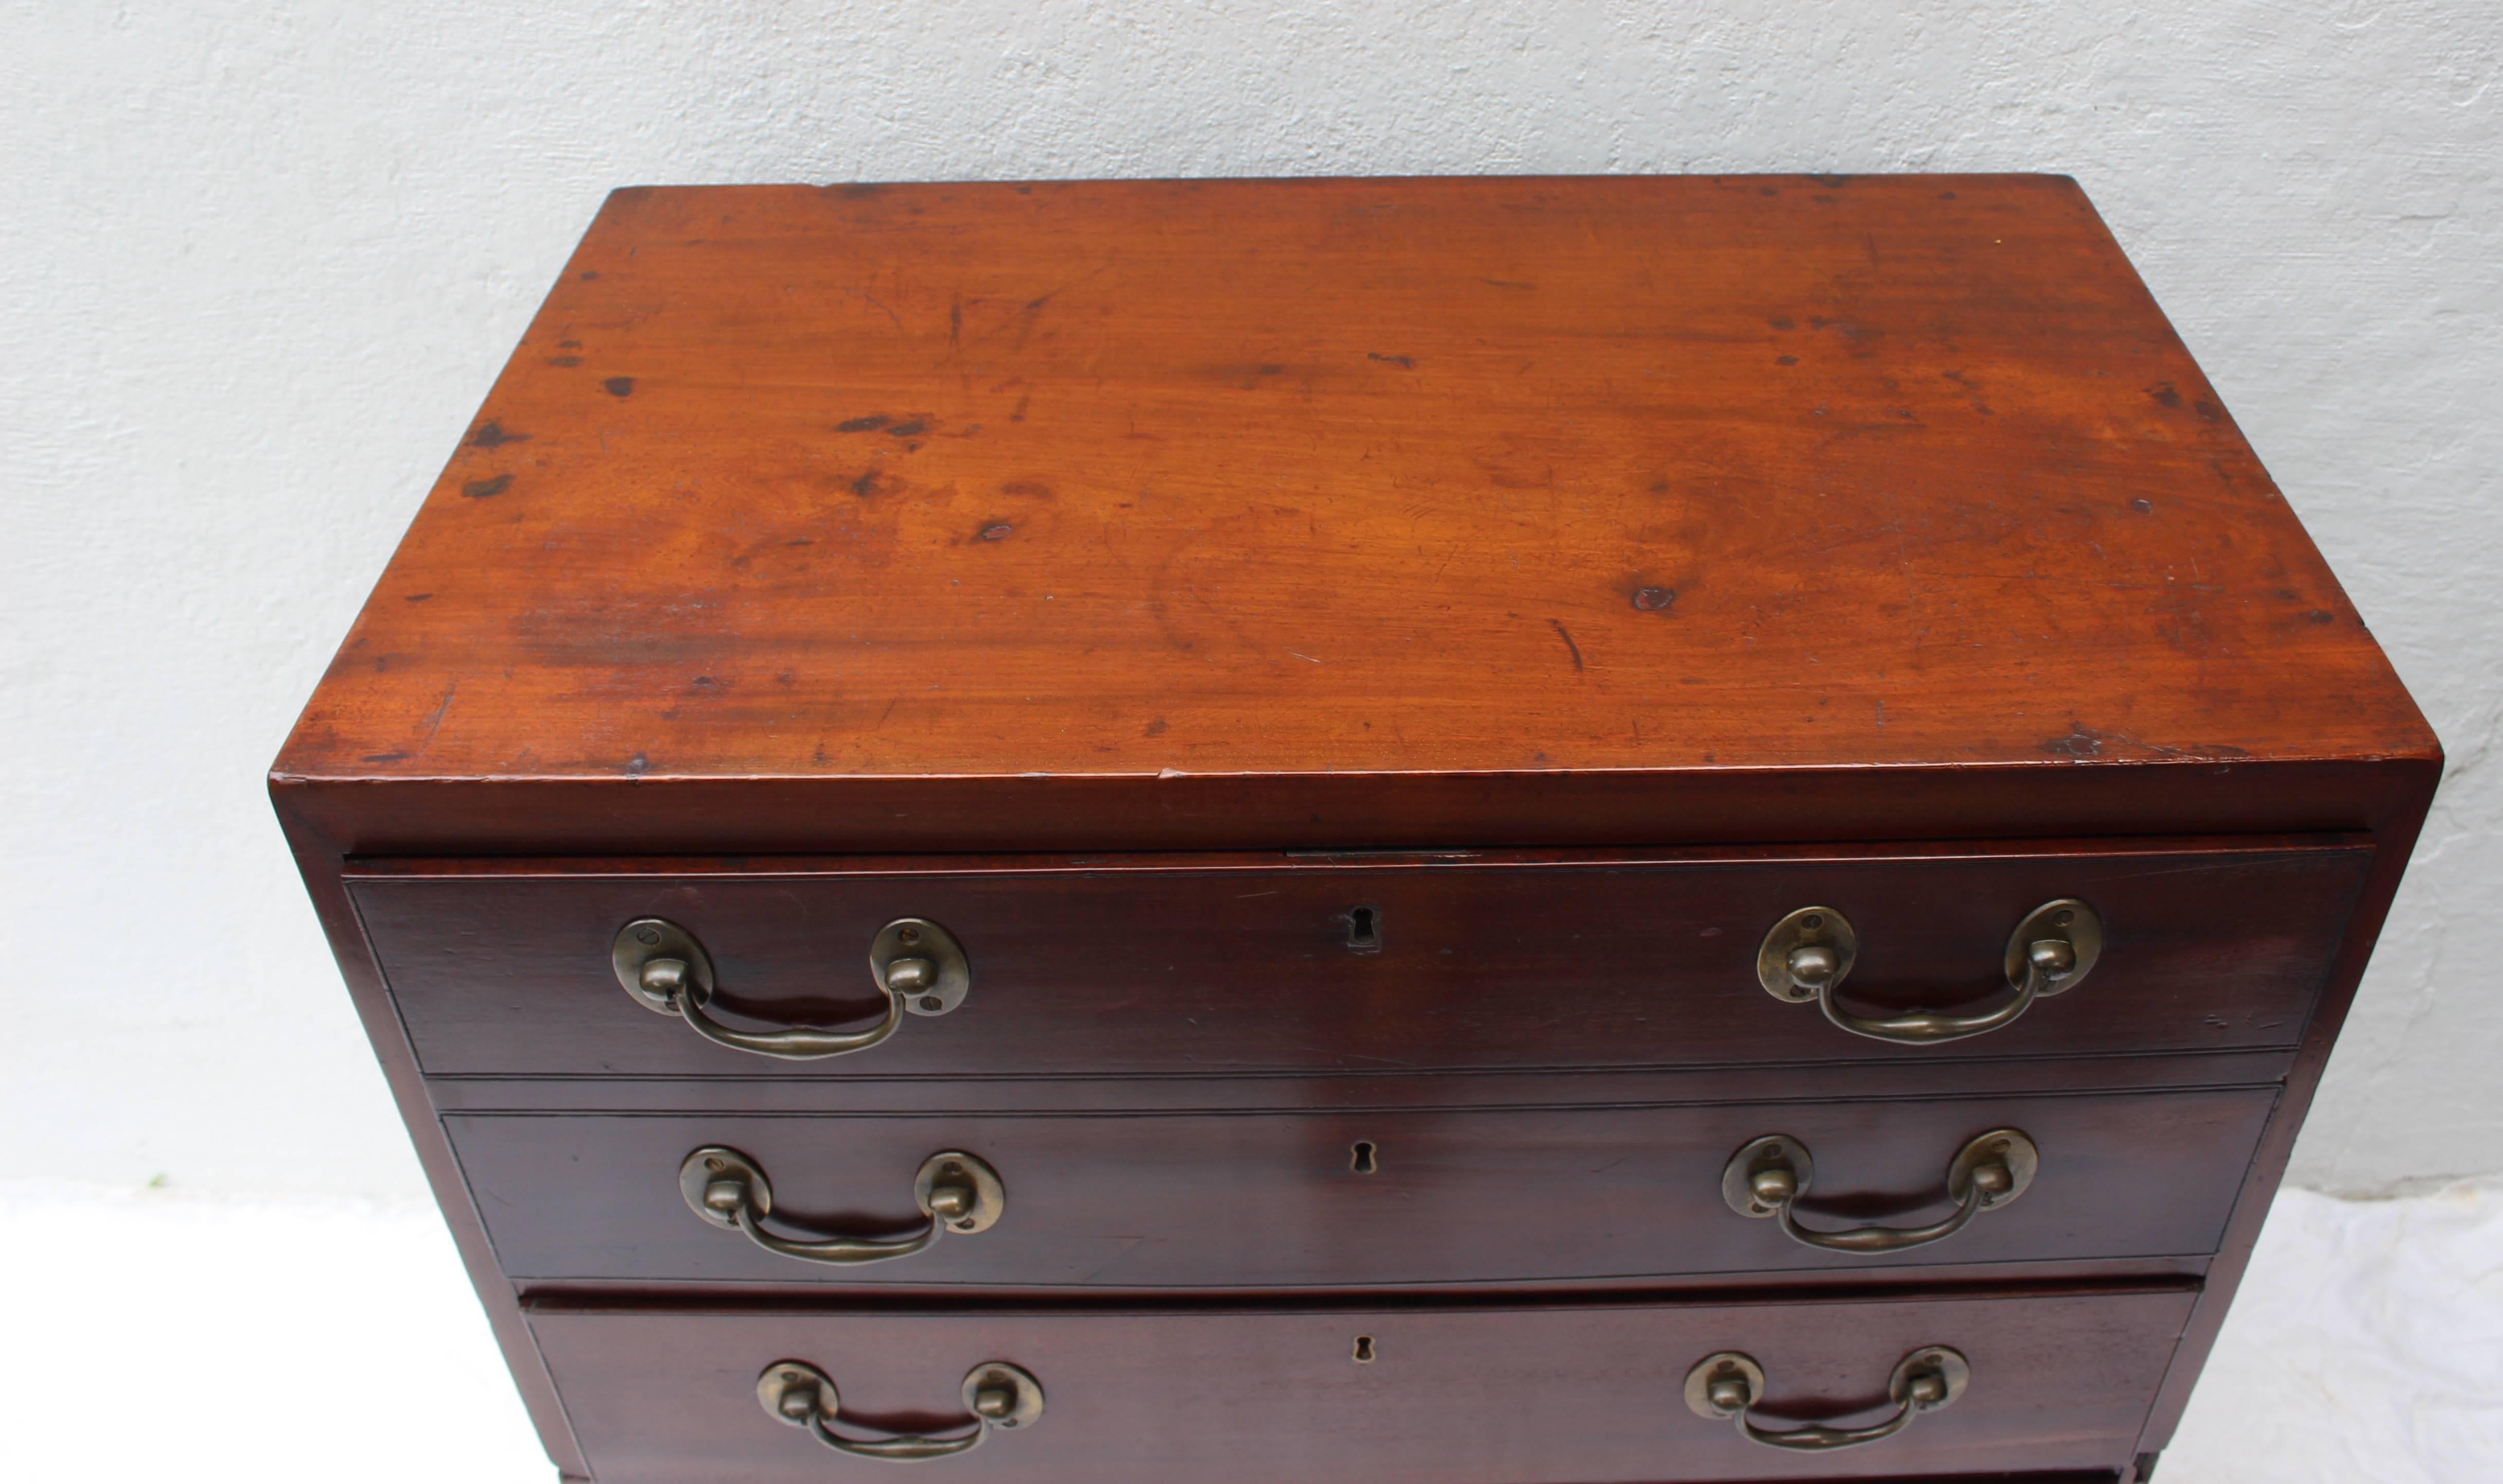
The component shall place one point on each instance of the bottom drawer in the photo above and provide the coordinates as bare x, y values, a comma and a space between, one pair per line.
1583, 1392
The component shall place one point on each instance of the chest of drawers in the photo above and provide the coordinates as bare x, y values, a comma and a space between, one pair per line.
1486, 831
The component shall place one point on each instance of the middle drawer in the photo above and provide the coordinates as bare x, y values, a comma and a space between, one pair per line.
1356, 1198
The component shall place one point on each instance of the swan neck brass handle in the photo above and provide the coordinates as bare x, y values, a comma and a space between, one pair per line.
917, 966
996, 1395
1767, 1176
955, 1191
1808, 955
1729, 1385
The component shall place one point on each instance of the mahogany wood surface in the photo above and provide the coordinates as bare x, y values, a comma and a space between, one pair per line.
2397, 833
1354, 515
1476, 1397
1355, 506
856, 1091
1165, 971
322, 867
1224, 1201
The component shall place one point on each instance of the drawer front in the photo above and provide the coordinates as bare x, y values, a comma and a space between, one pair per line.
1211, 1201
1450, 1397
1476, 963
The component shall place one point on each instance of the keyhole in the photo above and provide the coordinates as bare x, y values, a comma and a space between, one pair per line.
1362, 1162
1364, 929
1364, 1350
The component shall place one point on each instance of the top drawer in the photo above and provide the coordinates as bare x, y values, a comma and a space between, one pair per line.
1199, 966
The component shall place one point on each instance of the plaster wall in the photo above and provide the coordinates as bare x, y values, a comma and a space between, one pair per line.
260, 261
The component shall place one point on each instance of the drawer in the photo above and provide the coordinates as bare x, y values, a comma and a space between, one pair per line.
1589, 1393
1262, 965
1213, 1201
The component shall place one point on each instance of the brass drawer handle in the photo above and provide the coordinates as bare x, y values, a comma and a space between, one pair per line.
1728, 1385
995, 1393
1809, 954
1767, 1177
916, 964
956, 1191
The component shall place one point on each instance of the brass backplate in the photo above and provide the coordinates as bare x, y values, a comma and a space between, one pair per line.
2070, 919
921, 938
1950, 1364
1713, 1367
1028, 1393
714, 1162
783, 1377
1760, 1155
953, 1166
1808, 927
646, 939
2008, 1146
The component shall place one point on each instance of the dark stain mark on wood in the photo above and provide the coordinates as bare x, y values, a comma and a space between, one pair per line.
911, 428
619, 386
417, 597
1785, 361
565, 361
1570, 647
1403, 363
1654, 599
1018, 416
2322, 616
487, 489
385, 757
493, 436
1971, 390
956, 321
866, 486
1155, 727
999, 532
870, 423
2164, 395
1783, 321
1832, 181
588, 276
569, 345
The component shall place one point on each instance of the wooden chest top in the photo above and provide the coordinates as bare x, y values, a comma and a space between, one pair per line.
1346, 512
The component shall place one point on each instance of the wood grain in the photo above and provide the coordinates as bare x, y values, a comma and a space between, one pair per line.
1272, 482
1158, 970
1884, 517
1248, 1201
1474, 1396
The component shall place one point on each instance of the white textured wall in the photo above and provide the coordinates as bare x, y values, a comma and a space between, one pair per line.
260, 261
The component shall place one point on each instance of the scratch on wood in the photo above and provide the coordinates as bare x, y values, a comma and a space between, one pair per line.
1570, 647
435, 721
